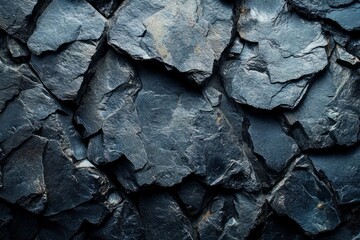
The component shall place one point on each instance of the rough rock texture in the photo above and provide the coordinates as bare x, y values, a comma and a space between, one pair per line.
183, 119
254, 72
186, 35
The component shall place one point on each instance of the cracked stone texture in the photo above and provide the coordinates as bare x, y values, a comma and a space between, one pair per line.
254, 70
185, 119
186, 35
343, 13
65, 21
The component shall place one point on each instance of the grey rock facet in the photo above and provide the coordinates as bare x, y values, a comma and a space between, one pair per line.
329, 114
186, 35
15, 17
271, 142
303, 197
65, 21
163, 218
63, 72
342, 170
345, 13
254, 71
23, 179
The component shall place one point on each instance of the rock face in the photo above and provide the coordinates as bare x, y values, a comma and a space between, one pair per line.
183, 119
254, 73
65, 21
186, 35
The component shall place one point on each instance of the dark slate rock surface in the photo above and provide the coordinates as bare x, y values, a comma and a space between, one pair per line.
343, 13
254, 72
344, 177
186, 35
65, 21
201, 119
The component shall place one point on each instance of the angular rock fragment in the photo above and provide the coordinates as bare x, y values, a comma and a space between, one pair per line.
29, 109
303, 197
59, 127
15, 17
163, 218
279, 229
186, 35
63, 72
342, 170
124, 223
18, 51
23, 179
6, 218
230, 217
105, 7
270, 141
66, 21
166, 131
192, 195
329, 114
255, 72
345, 13
69, 185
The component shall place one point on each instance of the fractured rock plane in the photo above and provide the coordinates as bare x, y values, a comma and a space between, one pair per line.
182, 119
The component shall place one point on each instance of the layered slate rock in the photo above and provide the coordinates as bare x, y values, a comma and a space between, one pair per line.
124, 223
16, 17
163, 218
345, 13
303, 197
271, 142
167, 132
23, 179
63, 72
61, 175
192, 195
65, 21
106, 7
254, 70
329, 114
342, 170
229, 217
186, 35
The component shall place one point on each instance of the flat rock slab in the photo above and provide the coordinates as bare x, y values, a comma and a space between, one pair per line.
15, 17
329, 114
271, 142
65, 21
63, 72
270, 67
165, 130
342, 170
186, 35
345, 13
303, 197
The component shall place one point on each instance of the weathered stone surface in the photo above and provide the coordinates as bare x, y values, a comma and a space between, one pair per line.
342, 169
345, 13
62, 175
65, 21
329, 114
164, 218
15, 17
23, 179
124, 223
279, 229
165, 133
303, 197
270, 141
192, 195
230, 217
254, 72
63, 72
17, 50
29, 109
186, 35
105, 7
